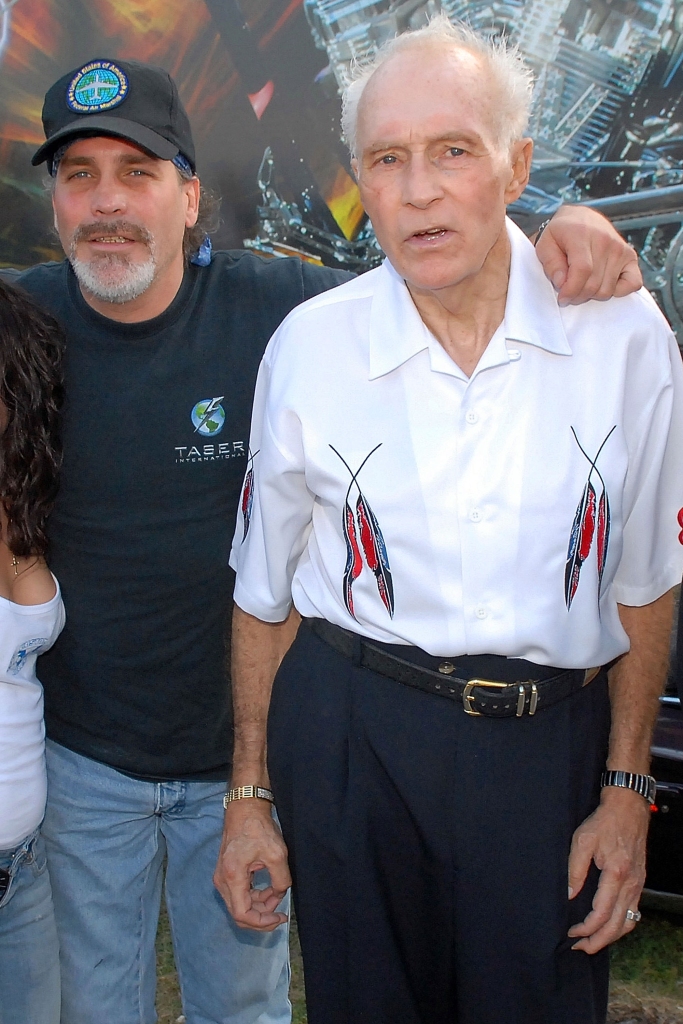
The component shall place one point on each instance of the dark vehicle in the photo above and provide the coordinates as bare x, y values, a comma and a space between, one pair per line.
664, 883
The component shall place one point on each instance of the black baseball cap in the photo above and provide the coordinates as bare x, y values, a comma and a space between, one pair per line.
124, 98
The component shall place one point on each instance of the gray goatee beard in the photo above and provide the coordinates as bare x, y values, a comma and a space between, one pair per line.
113, 277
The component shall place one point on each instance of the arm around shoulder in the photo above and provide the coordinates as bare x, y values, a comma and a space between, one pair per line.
585, 257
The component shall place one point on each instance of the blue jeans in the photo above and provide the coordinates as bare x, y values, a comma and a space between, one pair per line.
107, 836
29, 954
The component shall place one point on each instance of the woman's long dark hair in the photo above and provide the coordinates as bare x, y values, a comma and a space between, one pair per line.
31, 348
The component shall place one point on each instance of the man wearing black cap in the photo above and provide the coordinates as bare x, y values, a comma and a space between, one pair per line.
163, 352
162, 360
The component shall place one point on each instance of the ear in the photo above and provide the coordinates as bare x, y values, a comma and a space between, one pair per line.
354, 167
191, 190
520, 169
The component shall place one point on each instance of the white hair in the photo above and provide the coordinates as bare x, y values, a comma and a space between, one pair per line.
513, 79
113, 278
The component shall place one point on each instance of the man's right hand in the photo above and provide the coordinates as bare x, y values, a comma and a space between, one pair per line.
252, 841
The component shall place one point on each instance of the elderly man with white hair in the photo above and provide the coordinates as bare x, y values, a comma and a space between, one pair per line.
472, 506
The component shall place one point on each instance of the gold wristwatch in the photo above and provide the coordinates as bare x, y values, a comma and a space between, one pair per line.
248, 793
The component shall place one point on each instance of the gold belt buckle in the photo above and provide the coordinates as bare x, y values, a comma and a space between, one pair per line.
467, 697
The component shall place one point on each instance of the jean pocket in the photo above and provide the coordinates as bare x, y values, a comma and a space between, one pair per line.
5, 883
29, 856
6, 886
36, 858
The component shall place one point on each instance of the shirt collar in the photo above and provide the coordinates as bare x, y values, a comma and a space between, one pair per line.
532, 316
397, 331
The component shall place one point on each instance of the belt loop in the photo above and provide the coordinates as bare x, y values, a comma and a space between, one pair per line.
357, 651
521, 699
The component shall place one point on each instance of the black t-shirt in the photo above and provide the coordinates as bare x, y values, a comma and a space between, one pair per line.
156, 430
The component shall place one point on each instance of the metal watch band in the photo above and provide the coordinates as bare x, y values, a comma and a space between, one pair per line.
540, 229
645, 785
248, 793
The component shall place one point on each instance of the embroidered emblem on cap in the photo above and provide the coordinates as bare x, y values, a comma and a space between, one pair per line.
100, 85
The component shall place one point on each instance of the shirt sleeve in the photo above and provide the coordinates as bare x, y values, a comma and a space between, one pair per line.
652, 555
276, 506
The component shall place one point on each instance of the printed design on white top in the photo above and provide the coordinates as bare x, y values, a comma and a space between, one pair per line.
247, 501
371, 543
22, 652
585, 528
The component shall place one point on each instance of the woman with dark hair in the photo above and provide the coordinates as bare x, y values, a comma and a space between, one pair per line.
31, 617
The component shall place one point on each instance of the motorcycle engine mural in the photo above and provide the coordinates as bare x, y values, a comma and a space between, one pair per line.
262, 83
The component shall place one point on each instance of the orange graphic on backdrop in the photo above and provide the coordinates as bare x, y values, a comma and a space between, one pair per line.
35, 31
345, 205
49, 36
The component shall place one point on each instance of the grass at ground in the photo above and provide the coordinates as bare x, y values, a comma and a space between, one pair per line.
647, 972
168, 996
169, 1008
647, 975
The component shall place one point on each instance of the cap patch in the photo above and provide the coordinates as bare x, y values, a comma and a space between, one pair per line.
99, 85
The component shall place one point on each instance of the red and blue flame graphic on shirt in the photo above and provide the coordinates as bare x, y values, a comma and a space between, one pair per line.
363, 524
591, 522
247, 502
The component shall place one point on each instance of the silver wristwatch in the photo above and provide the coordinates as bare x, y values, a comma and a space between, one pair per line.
645, 785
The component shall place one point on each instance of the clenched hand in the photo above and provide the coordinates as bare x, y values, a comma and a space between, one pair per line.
614, 837
586, 258
252, 841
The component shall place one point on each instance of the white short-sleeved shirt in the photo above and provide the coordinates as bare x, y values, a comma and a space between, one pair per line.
26, 630
506, 513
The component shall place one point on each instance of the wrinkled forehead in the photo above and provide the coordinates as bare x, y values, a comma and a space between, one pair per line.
428, 83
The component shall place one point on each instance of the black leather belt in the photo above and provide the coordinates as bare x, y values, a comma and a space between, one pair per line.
489, 697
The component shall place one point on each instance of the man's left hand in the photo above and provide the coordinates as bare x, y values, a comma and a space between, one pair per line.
614, 837
586, 258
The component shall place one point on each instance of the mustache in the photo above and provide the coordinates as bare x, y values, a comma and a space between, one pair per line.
125, 228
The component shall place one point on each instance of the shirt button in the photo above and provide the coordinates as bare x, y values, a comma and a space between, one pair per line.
475, 515
481, 612
514, 354
471, 417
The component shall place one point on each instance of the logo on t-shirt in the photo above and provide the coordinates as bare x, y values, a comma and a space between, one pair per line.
22, 652
208, 420
208, 416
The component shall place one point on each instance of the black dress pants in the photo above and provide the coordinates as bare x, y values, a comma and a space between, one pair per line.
429, 848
